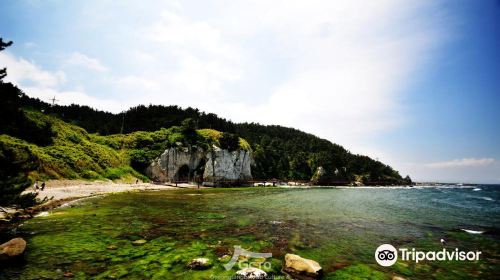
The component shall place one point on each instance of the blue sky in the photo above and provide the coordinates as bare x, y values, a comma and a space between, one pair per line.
413, 83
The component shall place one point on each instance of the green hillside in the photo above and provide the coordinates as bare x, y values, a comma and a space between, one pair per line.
279, 152
76, 154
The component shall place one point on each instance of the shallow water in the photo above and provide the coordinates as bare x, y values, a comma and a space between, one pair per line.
338, 227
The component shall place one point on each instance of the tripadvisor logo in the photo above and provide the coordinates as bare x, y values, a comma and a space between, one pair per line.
387, 255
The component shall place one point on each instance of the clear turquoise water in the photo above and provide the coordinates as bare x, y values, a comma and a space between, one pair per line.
340, 228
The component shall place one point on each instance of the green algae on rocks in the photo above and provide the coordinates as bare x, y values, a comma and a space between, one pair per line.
95, 239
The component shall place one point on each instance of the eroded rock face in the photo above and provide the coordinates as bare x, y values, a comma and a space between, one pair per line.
168, 165
12, 249
226, 165
181, 163
301, 268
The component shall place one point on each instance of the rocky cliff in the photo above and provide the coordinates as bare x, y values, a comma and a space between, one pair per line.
197, 164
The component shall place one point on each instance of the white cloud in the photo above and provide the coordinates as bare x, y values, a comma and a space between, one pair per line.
465, 162
333, 68
347, 63
341, 66
64, 97
204, 62
81, 60
21, 71
45, 85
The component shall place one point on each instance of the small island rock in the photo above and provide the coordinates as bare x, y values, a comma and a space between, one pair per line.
301, 268
11, 249
251, 273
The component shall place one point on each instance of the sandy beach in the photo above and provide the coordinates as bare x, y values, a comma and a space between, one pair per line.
58, 192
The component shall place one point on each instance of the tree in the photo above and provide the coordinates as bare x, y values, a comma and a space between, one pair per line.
13, 168
407, 180
229, 141
3, 45
14, 179
188, 129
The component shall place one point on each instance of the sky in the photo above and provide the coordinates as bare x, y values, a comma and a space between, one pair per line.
415, 84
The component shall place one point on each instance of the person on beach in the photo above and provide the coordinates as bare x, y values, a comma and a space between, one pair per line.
43, 185
36, 186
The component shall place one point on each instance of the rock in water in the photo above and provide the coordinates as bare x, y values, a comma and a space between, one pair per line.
11, 249
251, 273
300, 268
139, 242
199, 263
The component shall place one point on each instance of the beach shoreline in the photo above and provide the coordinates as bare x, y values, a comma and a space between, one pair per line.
60, 192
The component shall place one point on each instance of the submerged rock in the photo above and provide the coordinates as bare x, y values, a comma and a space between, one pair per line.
199, 263
12, 249
225, 258
301, 268
251, 273
139, 242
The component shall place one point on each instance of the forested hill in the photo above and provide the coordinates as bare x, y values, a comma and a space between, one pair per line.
279, 152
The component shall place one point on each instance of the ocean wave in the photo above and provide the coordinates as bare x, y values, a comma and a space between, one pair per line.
472, 231
476, 189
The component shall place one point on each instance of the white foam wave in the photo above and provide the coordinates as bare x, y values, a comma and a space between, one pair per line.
472, 231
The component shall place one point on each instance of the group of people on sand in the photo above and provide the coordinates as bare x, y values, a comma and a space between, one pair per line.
37, 187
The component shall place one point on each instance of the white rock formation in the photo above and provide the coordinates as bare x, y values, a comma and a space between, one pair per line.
216, 165
226, 165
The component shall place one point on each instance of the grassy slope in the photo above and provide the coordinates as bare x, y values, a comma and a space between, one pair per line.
76, 154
